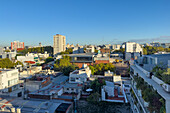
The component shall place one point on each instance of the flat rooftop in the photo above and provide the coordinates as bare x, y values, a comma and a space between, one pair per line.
72, 85
159, 55
31, 106
82, 54
6, 70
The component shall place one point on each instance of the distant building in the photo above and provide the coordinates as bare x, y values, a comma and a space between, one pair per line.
27, 57
82, 58
90, 49
33, 57
116, 47
10, 55
165, 45
59, 44
77, 50
88, 58
68, 45
108, 46
104, 50
16, 45
155, 44
40, 45
132, 50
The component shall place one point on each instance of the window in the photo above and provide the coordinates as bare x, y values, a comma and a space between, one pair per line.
72, 79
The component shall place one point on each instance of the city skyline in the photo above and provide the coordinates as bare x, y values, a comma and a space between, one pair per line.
85, 22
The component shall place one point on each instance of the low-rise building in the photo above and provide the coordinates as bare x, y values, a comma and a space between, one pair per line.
82, 58
19, 105
80, 76
90, 49
104, 50
10, 83
155, 44
10, 55
165, 45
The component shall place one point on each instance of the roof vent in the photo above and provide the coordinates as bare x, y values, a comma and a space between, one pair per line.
13, 110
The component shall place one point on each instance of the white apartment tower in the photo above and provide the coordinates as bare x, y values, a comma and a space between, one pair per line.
59, 44
132, 50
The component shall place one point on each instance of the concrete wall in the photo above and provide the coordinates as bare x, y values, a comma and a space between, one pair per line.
11, 75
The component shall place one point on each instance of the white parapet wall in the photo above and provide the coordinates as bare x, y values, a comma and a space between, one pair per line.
157, 80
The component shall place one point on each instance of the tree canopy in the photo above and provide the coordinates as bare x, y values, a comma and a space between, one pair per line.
67, 51
98, 69
151, 50
6, 63
122, 50
49, 59
49, 49
64, 65
97, 84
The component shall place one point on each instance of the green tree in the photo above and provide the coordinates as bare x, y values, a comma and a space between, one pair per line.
6, 63
97, 84
69, 50
7, 50
145, 51
64, 65
94, 98
96, 51
99, 69
49, 59
19, 63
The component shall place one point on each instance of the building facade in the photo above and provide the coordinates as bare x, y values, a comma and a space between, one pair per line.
16, 45
59, 44
132, 50
149, 92
10, 55
80, 76
9, 80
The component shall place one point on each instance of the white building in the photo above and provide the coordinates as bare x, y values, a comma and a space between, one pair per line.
132, 50
9, 82
59, 44
80, 76
27, 57
90, 49
116, 47
77, 50
10, 55
43, 55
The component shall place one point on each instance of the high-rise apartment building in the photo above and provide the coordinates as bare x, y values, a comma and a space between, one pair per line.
150, 91
59, 44
16, 45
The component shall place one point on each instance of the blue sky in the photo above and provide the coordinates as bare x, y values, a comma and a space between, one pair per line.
84, 21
